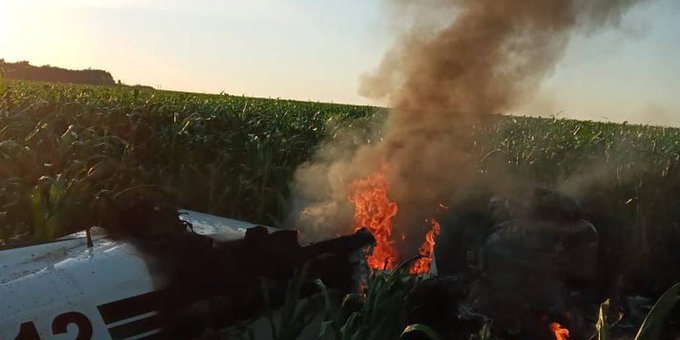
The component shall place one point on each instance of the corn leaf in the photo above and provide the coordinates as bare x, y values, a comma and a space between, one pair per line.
654, 322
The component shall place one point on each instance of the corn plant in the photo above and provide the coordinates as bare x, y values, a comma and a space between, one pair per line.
654, 321
652, 326
364, 316
235, 156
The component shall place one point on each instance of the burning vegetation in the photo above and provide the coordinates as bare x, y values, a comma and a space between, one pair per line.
375, 211
534, 257
426, 251
456, 63
560, 333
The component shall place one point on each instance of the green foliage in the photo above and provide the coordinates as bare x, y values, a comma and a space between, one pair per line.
420, 329
226, 155
379, 313
67, 152
24, 71
654, 321
484, 333
295, 314
602, 325
236, 156
288, 321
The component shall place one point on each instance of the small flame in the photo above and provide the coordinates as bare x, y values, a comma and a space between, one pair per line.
422, 265
375, 211
560, 333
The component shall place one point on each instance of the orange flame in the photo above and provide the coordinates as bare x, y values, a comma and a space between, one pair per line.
560, 333
422, 265
375, 211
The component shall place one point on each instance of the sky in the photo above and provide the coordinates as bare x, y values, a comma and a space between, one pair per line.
317, 50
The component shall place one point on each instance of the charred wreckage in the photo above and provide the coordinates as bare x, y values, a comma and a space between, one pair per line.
532, 267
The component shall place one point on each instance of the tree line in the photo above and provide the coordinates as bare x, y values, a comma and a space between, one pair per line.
22, 70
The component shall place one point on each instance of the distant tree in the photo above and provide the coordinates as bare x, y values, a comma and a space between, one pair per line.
23, 70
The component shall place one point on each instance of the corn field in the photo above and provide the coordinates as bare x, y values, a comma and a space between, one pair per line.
65, 150
62, 146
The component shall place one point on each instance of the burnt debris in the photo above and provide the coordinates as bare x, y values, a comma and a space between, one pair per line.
528, 261
204, 283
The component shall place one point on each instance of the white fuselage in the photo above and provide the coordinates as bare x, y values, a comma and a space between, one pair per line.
66, 290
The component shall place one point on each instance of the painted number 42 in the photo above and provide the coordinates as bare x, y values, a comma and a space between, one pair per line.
59, 326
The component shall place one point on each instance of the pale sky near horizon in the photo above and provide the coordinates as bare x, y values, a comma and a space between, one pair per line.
317, 50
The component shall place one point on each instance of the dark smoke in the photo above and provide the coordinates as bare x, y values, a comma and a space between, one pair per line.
457, 61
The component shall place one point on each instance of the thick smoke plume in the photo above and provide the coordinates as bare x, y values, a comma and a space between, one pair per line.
457, 61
